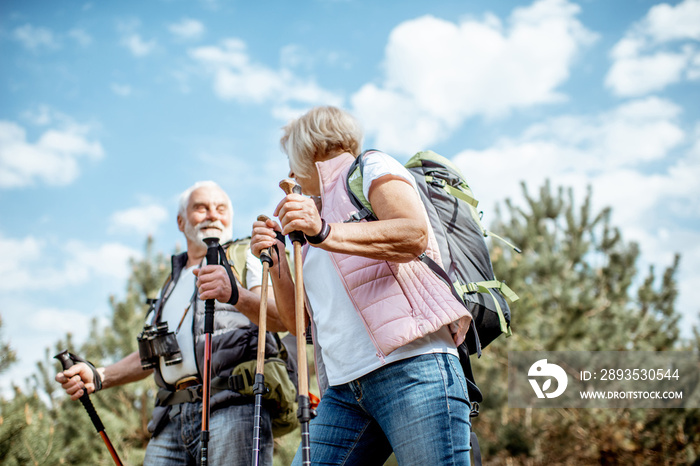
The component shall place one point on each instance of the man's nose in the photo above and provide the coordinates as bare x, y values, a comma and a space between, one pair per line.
213, 214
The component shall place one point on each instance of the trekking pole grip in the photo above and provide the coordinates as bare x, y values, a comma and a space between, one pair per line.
265, 256
212, 259
67, 363
290, 186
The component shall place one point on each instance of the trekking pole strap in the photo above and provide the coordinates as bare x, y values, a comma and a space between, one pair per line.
512, 246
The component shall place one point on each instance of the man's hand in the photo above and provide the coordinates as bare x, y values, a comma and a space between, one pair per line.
213, 283
76, 379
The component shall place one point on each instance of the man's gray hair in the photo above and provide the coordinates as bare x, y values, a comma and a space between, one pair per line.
185, 197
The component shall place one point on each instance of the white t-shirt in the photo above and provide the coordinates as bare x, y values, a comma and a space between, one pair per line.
346, 347
179, 300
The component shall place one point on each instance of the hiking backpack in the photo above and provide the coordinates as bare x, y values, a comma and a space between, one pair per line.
467, 267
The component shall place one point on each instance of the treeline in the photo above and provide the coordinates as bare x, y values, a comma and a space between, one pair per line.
580, 288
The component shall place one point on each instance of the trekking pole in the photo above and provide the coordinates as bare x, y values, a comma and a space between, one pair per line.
304, 413
259, 388
212, 259
67, 363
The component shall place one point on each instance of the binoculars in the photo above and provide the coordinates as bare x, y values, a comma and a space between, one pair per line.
155, 342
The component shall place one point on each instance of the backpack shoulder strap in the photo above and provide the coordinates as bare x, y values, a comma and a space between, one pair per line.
355, 191
236, 256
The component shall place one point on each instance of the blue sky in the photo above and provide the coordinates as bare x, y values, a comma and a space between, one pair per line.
109, 111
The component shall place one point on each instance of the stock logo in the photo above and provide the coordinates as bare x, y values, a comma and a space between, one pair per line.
542, 368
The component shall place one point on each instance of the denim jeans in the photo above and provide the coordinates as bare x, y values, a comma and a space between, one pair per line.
417, 407
230, 437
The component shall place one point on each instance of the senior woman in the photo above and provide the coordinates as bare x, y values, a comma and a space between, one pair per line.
385, 326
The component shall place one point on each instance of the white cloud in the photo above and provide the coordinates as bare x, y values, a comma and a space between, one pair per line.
666, 23
53, 159
618, 154
236, 77
658, 51
80, 36
187, 28
33, 264
86, 261
138, 46
32, 334
438, 73
694, 68
35, 38
43, 115
123, 90
609, 150
635, 132
142, 220
60, 320
14, 252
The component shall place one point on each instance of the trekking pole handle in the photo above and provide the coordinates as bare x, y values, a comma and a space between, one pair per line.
212, 259
212, 250
67, 363
290, 186
265, 256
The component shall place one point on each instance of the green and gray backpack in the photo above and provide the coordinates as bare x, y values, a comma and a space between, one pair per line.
451, 207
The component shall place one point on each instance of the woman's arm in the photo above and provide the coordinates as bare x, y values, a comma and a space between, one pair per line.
399, 235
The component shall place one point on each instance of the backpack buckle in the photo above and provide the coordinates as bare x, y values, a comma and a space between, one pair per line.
195, 392
471, 288
439, 182
474, 412
355, 217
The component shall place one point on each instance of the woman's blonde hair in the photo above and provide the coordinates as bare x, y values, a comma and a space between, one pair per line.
319, 134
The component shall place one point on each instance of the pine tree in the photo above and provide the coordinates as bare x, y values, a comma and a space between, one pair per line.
43, 426
579, 290
126, 410
7, 354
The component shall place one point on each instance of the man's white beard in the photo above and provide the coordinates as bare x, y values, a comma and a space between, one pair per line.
195, 234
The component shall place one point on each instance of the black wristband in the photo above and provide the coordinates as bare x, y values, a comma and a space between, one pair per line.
322, 235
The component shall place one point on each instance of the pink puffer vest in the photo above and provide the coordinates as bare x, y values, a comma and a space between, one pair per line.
398, 302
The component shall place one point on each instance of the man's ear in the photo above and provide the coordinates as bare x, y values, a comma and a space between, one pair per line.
181, 223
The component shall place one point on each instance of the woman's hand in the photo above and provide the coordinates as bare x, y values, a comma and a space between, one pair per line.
264, 236
459, 329
298, 213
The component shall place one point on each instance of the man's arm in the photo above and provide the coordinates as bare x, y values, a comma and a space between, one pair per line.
80, 376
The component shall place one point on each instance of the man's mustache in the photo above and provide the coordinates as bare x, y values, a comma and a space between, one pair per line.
209, 224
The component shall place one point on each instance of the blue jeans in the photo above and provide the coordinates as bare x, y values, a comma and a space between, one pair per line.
230, 437
417, 407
